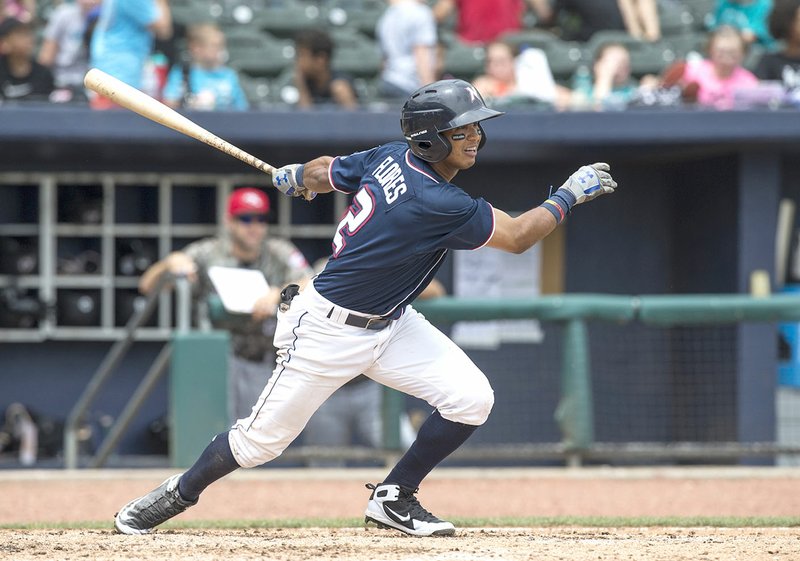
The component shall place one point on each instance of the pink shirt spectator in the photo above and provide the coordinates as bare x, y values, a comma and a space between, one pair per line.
715, 91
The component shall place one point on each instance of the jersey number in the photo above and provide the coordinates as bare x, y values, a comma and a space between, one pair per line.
356, 216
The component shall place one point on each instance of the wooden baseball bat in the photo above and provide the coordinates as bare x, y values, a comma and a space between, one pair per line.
130, 98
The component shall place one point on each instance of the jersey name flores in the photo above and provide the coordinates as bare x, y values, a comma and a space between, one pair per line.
395, 234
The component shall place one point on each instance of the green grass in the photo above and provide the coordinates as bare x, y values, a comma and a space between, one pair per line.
503, 522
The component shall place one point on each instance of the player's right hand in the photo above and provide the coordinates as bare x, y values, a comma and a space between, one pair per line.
180, 264
589, 182
285, 180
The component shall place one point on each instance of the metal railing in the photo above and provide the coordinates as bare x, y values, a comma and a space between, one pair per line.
110, 363
574, 411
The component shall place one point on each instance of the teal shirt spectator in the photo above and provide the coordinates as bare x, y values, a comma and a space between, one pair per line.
218, 88
619, 97
122, 40
750, 16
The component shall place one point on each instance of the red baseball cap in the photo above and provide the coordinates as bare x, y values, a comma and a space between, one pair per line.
248, 200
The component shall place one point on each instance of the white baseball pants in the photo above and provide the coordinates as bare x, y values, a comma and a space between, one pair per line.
317, 354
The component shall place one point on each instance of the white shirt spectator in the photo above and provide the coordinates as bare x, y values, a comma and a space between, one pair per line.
66, 28
407, 31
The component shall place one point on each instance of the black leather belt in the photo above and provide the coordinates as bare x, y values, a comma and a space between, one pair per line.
367, 323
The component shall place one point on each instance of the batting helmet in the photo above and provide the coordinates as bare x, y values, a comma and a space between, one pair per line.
438, 107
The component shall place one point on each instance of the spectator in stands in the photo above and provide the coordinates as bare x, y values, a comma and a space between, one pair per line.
784, 25
524, 78
407, 35
612, 85
21, 77
245, 245
22, 10
122, 40
638, 17
750, 17
716, 78
315, 80
204, 82
64, 49
483, 21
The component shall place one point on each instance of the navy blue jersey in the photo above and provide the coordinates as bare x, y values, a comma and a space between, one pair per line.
403, 219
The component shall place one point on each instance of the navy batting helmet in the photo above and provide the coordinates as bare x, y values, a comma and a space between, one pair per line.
438, 107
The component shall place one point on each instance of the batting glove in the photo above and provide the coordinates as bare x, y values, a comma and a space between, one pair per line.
289, 182
589, 182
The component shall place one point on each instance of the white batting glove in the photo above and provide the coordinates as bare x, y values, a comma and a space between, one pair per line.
285, 180
589, 182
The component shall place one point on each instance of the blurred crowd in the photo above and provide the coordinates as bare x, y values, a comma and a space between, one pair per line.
233, 55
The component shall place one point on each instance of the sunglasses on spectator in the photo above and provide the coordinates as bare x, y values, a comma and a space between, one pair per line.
252, 218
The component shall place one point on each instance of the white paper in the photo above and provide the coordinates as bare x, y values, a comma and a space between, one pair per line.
238, 288
491, 273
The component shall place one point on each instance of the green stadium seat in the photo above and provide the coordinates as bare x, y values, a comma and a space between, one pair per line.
265, 58
675, 18
754, 54
259, 91
188, 12
464, 61
283, 89
686, 43
564, 58
284, 21
245, 37
701, 10
360, 15
355, 54
535, 38
367, 91
651, 58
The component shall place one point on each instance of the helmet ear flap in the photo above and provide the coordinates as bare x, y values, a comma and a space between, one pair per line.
483, 137
430, 147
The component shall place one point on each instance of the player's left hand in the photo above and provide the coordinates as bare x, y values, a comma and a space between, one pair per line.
589, 182
285, 180
267, 305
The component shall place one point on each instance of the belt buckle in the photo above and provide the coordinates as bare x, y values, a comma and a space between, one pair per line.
370, 321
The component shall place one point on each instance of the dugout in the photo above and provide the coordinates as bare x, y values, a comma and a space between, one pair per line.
695, 213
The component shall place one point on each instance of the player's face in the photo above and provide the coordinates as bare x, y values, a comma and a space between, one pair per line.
464, 142
248, 231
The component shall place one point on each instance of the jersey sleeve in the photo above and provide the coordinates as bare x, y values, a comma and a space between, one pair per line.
345, 172
458, 220
476, 231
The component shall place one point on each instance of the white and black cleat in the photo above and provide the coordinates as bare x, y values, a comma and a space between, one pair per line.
395, 507
141, 515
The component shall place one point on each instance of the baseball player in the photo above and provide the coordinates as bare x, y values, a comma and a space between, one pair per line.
356, 316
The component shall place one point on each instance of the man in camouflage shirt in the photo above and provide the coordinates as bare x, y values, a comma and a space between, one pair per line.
245, 244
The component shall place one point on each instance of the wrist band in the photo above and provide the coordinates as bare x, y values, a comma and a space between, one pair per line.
559, 204
298, 175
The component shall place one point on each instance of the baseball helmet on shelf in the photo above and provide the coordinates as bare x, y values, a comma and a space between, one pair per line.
438, 107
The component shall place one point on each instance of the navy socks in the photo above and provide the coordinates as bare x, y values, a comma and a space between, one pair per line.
437, 439
214, 463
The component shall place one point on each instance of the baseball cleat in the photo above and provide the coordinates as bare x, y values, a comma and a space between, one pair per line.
396, 507
141, 515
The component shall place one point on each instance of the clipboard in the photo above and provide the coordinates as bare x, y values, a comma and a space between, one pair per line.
238, 288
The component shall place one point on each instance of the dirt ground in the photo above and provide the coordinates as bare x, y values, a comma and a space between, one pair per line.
73, 498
